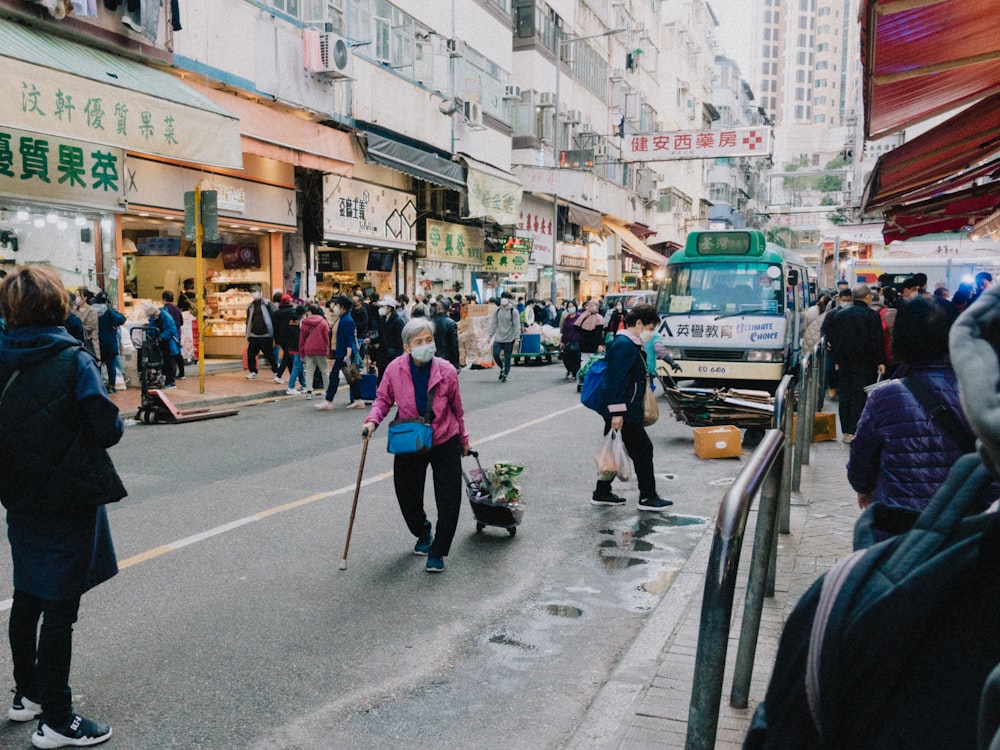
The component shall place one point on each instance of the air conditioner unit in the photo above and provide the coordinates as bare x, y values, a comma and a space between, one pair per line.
652, 195
473, 113
573, 116
512, 91
327, 53
617, 74
600, 150
546, 99
456, 47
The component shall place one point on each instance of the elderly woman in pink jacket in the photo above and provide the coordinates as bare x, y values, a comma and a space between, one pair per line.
408, 382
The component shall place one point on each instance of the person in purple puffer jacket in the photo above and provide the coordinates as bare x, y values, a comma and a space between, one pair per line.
900, 455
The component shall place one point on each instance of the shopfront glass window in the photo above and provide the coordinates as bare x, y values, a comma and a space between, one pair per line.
66, 240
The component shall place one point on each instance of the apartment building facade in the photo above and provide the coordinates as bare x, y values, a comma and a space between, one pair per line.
401, 147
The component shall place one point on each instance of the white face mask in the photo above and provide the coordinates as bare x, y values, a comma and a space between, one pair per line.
423, 354
505, 302
385, 311
571, 310
256, 295
645, 336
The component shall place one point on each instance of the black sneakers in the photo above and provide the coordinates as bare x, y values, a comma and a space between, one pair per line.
654, 503
23, 708
608, 499
79, 732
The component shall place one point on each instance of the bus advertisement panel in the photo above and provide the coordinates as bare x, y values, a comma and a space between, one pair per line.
732, 307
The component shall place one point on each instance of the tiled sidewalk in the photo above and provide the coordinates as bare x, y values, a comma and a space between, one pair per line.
225, 383
644, 704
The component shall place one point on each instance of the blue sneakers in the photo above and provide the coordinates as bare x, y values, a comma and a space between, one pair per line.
423, 545
435, 564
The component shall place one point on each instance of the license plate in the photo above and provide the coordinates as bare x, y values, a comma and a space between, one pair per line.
712, 370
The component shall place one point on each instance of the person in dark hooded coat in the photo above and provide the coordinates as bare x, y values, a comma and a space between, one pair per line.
56, 421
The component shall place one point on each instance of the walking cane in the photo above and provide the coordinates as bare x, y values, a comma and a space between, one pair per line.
354, 505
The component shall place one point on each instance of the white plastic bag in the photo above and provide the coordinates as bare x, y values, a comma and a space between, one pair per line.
611, 458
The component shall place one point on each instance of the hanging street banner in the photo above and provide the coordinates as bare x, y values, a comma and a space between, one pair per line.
697, 144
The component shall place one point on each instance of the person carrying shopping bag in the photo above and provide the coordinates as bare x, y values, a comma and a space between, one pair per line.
623, 391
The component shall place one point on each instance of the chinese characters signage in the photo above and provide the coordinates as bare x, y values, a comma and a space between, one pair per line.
361, 212
510, 261
49, 101
751, 331
535, 221
454, 243
697, 144
56, 168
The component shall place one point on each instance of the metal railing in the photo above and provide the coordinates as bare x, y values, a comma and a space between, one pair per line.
774, 480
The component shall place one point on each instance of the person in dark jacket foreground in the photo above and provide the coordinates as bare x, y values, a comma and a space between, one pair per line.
55, 421
900, 454
924, 682
623, 390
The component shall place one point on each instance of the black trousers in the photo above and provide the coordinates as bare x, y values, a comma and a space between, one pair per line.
260, 345
640, 449
851, 392
571, 359
169, 364
42, 657
409, 477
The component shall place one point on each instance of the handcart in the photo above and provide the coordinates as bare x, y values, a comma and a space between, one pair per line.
154, 406
489, 512
149, 359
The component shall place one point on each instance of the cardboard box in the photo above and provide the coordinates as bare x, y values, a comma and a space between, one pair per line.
724, 441
824, 426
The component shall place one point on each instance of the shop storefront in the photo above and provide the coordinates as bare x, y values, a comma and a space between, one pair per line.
571, 263
594, 282
59, 213
73, 115
368, 229
449, 259
632, 264
253, 219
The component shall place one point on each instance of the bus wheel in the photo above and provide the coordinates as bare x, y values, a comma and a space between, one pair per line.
752, 437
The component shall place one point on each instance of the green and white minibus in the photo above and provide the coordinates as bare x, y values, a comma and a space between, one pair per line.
732, 308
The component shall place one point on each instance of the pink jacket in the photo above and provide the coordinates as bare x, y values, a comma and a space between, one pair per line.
397, 388
314, 336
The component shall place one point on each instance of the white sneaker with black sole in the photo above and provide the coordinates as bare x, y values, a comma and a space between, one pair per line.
23, 708
79, 732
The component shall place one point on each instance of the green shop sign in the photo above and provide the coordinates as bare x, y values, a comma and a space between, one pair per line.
58, 169
454, 243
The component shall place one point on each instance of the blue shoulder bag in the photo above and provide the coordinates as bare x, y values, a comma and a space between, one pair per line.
415, 435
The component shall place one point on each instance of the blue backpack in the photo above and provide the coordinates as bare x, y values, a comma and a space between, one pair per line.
593, 383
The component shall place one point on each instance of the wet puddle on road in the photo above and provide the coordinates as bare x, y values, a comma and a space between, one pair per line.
649, 544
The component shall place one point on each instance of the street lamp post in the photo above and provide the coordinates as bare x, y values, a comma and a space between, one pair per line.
560, 43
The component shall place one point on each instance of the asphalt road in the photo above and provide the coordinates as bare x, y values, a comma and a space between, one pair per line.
231, 626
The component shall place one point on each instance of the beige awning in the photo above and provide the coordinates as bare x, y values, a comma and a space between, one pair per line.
634, 246
493, 192
60, 88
